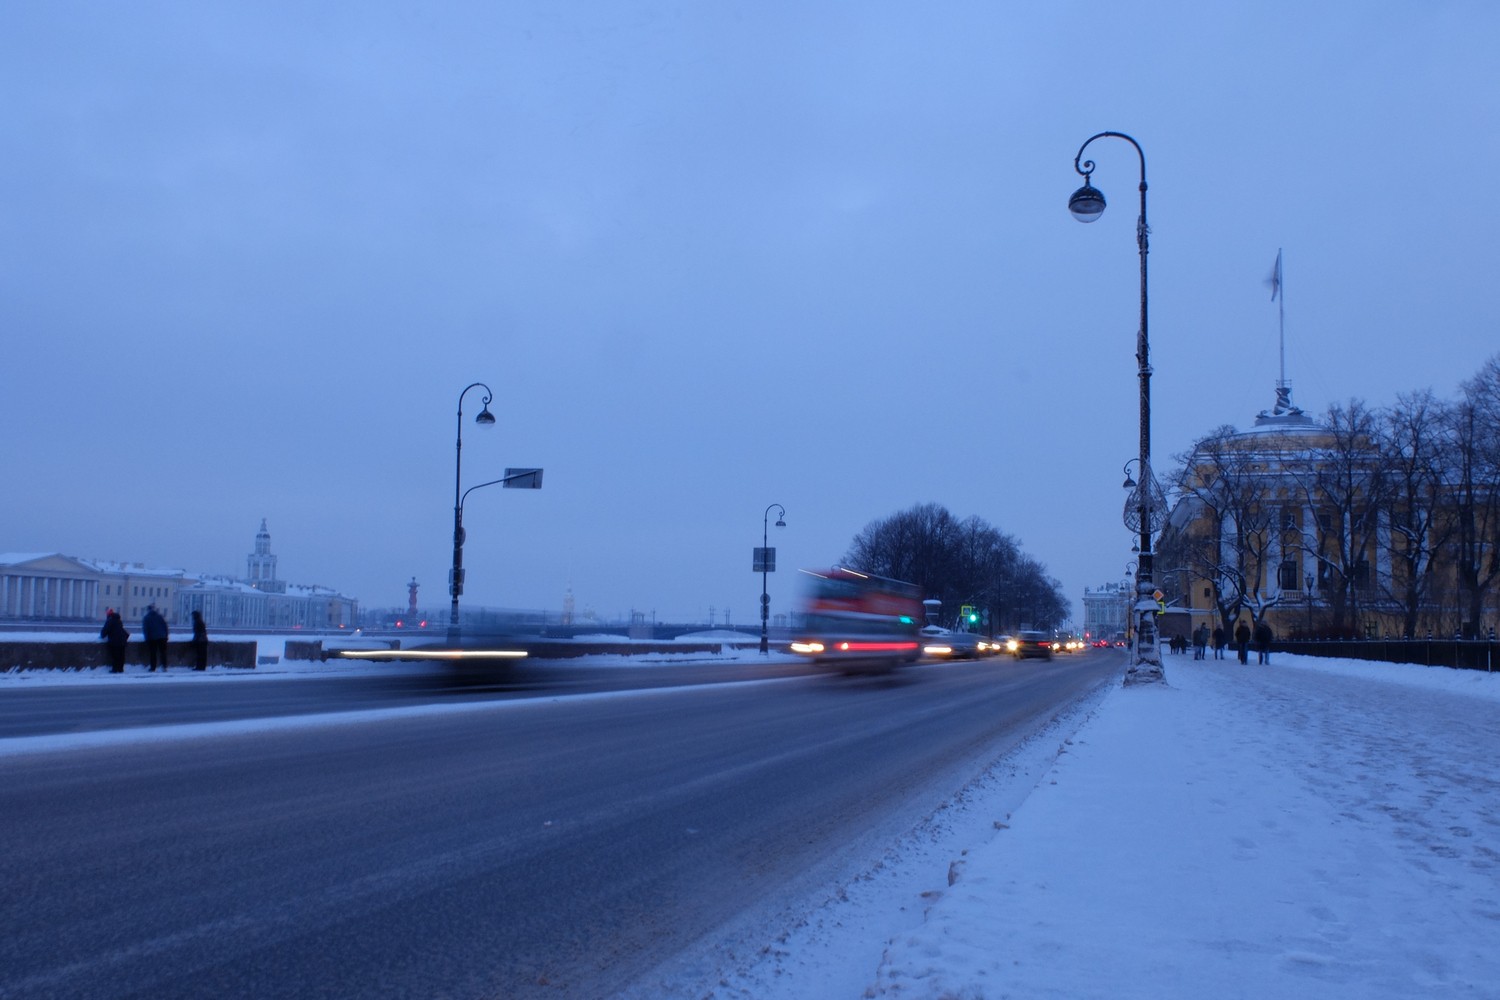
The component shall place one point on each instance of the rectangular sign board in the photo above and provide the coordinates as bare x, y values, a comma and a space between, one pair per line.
523, 479
765, 560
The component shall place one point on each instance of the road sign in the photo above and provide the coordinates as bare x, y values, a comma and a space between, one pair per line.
764, 560
523, 479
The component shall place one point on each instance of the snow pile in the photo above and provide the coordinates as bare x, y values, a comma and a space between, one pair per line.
1312, 828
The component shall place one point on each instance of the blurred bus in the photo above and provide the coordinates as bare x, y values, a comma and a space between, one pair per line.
859, 622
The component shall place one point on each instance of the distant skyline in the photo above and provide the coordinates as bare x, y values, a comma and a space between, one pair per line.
709, 258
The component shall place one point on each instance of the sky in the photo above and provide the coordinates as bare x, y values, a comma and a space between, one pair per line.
708, 258
1312, 827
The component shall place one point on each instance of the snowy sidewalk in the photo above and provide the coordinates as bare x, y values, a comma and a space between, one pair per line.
1312, 828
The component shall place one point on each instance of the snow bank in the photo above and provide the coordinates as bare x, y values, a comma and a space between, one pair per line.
1312, 828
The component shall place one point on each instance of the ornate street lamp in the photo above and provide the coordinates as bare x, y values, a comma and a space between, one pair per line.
456, 574
766, 565
1145, 508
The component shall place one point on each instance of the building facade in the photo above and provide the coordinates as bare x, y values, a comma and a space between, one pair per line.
1106, 611
48, 586
55, 589
1298, 523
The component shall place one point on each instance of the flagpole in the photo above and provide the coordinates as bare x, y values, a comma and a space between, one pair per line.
1281, 303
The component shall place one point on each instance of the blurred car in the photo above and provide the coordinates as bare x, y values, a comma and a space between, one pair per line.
995, 645
946, 645
1033, 644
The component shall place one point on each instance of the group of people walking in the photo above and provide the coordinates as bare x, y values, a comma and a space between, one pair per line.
1219, 638
154, 633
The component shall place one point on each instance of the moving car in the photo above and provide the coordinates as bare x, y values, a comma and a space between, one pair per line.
946, 645
1033, 644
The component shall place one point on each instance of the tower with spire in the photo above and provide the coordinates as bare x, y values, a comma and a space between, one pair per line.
262, 564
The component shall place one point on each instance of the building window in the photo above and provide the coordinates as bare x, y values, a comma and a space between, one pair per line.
1286, 575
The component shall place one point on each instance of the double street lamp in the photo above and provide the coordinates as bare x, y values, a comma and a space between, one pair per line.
1145, 508
767, 562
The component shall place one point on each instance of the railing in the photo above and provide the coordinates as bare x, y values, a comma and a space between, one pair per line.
1465, 654
67, 655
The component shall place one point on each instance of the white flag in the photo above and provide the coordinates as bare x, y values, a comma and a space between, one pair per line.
1275, 279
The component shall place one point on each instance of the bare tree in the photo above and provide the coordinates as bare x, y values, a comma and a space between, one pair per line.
1414, 443
1224, 530
1345, 485
1475, 482
958, 563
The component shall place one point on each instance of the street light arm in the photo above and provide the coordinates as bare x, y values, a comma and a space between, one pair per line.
459, 447
1086, 167
493, 482
489, 396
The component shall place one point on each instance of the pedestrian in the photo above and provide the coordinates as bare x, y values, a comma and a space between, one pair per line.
1218, 642
115, 637
200, 642
1200, 642
1242, 642
1263, 643
154, 632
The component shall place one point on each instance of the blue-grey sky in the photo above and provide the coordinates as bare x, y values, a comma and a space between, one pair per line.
710, 256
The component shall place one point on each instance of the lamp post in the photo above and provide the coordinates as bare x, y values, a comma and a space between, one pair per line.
1145, 507
1307, 578
766, 565
456, 574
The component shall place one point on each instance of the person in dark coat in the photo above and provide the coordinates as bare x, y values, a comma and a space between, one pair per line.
1263, 643
200, 642
1219, 642
1242, 642
154, 632
1200, 642
115, 637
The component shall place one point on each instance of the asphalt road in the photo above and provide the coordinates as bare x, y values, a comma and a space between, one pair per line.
535, 843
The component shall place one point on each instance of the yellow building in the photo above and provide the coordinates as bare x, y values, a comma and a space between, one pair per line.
1310, 527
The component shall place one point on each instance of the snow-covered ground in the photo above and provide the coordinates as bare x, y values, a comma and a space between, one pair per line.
1315, 827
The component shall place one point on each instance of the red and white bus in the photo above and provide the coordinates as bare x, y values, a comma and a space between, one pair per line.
859, 622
